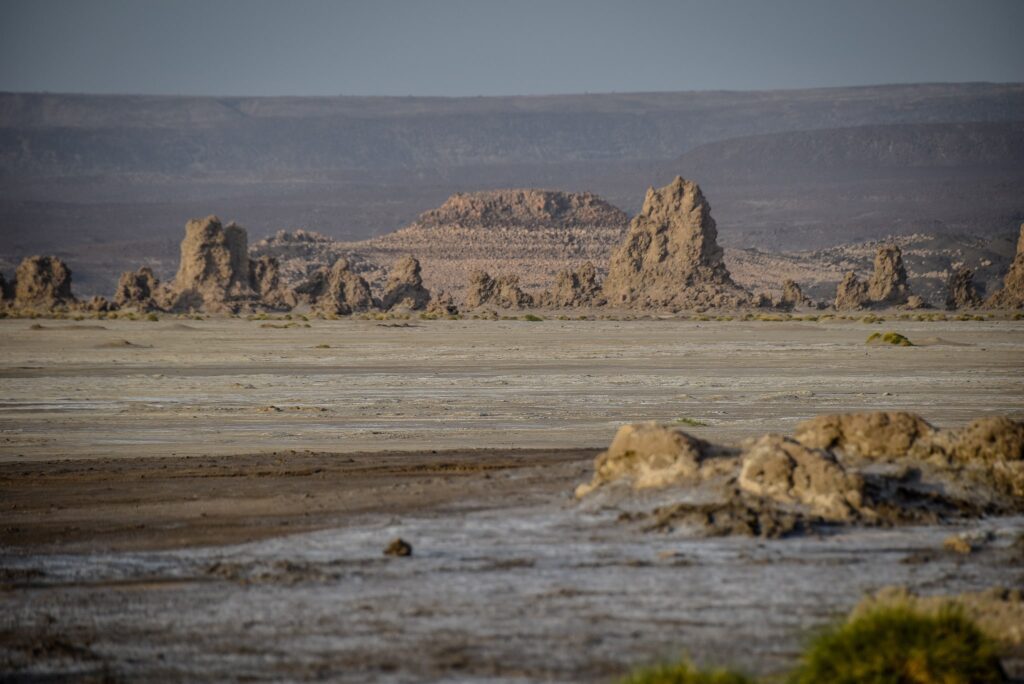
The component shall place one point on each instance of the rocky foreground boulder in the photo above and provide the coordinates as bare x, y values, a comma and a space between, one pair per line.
861, 468
670, 257
43, 283
1011, 296
404, 289
503, 291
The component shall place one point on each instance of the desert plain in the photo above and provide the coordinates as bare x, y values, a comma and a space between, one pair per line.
210, 497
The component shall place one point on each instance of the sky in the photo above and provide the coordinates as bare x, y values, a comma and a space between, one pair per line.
500, 47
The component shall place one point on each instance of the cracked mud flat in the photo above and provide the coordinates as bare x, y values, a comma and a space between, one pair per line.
213, 502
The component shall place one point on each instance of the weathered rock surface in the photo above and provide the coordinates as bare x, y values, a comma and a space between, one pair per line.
888, 283
442, 304
788, 472
265, 281
647, 455
1012, 294
337, 290
868, 468
137, 290
877, 435
404, 289
670, 257
961, 292
573, 289
792, 296
503, 292
213, 273
43, 282
852, 293
301, 253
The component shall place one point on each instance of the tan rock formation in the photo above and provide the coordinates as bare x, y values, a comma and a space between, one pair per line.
646, 455
213, 273
265, 281
503, 292
573, 289
962, 293
1012, 294
878, 435
43, 282
404, 289
828, 474
137, 290
670, 257
788, 472
442, 304
852, 293
337, 290
888, 283
792, 296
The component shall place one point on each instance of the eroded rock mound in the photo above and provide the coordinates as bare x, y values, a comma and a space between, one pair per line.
442, 304
404, 289
1012, 294
337, 290
647, 455
574, 288
265, 281
852, 293
671, 257
137, 290
43, 282
877, 435
214, 270
867, 468
888, 283
792, 296
961, 292
783, 469
503, 291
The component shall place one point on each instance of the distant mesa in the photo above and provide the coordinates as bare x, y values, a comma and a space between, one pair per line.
530, 209
671, 257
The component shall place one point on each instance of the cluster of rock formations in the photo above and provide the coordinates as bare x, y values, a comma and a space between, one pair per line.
668, 258
887, 286
858, 468
216, 274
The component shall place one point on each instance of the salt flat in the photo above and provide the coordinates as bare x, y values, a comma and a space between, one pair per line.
141, 388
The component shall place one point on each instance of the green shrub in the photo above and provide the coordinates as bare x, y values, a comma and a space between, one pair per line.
691, 422
897, 645
684, 673
889, 338
532, 317
152, 317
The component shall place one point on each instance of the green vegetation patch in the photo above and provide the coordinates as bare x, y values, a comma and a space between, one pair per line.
898, 644
691, 422
893, 338
684, 673
532, 317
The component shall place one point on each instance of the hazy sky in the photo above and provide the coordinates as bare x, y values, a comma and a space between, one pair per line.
490, 47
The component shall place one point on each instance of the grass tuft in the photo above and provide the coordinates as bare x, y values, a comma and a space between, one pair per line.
893, 338
684, 673
898, 644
